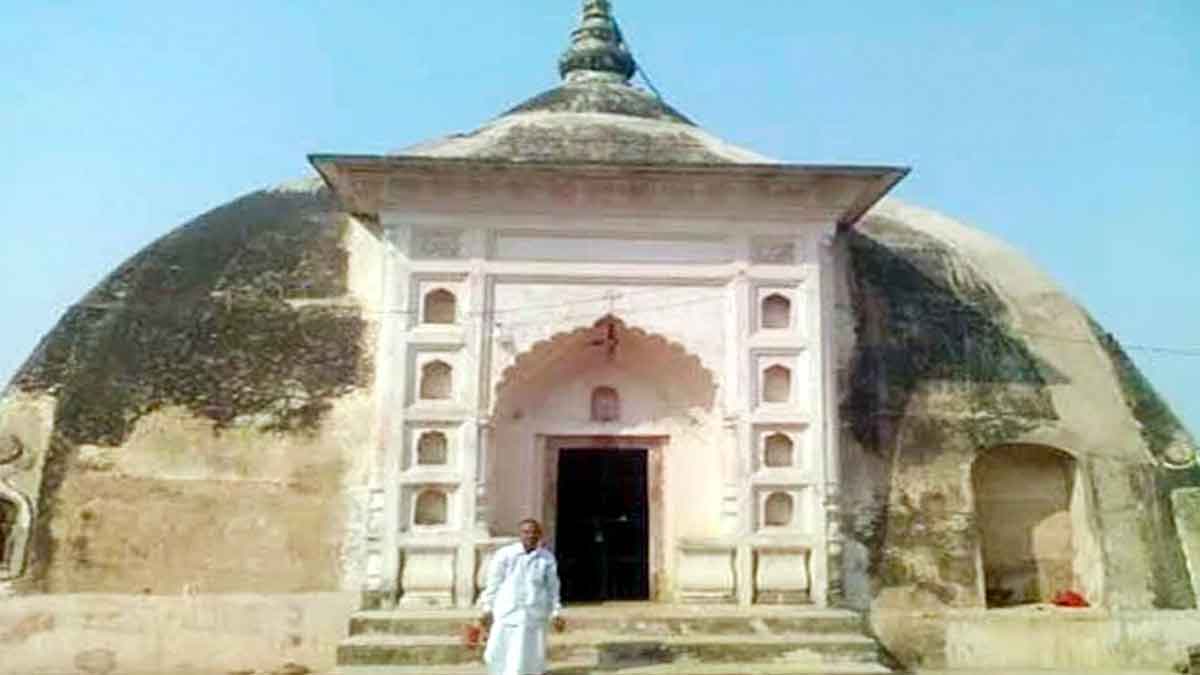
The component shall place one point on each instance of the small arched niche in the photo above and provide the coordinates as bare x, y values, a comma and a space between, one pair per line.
440, 307
432, 449
1028, 511
776, 312
437, 381
779, 451
778, 510
606, 404
777, 385
431, 508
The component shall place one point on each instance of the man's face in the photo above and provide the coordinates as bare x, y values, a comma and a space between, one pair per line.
531, 534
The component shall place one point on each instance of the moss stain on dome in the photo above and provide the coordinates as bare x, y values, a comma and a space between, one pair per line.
1164, 434
937, 374
601, 97
925, 320
201, 319
1169, 441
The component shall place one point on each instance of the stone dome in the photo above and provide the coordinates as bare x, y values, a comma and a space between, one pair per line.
590, 120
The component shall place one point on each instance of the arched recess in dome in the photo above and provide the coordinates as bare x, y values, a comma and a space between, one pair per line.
569, 353
1035, 536
16, 516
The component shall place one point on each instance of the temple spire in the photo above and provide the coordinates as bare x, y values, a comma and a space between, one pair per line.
597, 49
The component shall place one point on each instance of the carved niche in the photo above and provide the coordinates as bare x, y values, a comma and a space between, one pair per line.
431, 508
441, 307
437, 381
778, 451
606, 405
777, 385
776, 312
778, 510
432, 449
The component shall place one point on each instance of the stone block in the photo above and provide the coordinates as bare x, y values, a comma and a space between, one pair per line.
427, 577
781, 576
706, 572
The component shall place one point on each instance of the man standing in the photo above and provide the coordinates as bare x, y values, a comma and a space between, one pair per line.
521, 597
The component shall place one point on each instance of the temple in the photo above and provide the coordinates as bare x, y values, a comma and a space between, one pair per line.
740, 393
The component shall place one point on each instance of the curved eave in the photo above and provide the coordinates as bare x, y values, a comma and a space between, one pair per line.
841, 194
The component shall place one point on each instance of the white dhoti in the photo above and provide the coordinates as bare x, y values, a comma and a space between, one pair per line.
516, 650
522, 595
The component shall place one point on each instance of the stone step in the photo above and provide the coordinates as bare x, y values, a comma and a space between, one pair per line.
761, 669
609, 652
654, 622
670, 669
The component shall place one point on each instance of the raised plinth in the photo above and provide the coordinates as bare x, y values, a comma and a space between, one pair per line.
629, 639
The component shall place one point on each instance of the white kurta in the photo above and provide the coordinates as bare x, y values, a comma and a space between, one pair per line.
523, 596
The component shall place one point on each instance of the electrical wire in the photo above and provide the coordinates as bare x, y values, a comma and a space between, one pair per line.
637, 62
613, 298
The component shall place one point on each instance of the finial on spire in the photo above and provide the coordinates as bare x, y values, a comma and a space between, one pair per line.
597, 48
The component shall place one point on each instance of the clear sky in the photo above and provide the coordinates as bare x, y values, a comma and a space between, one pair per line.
1071, 130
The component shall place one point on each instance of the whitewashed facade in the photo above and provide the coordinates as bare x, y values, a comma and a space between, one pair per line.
510, 294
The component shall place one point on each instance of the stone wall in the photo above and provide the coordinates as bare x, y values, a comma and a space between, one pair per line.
181, 509
1037, 638
129, 634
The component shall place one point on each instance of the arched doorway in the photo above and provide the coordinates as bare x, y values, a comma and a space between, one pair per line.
610, 436
1030, 514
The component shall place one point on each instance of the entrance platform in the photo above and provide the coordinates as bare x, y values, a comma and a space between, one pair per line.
629, 639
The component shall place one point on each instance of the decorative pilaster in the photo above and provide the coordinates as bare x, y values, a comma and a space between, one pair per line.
483, 506
379, 588
380, 511
731, 480
835, 543
829, 567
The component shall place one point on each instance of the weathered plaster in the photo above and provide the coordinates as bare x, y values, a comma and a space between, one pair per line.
546, 136
1048, 638
26, 425
236, 510
201, 319
1185, 503
53, 634
959, 345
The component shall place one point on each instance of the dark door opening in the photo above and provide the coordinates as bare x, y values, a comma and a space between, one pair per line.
602, 533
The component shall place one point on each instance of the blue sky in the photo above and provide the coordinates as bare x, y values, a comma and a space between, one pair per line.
1071, 130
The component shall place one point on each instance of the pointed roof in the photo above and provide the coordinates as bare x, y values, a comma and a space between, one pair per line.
596, 68
594, 115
